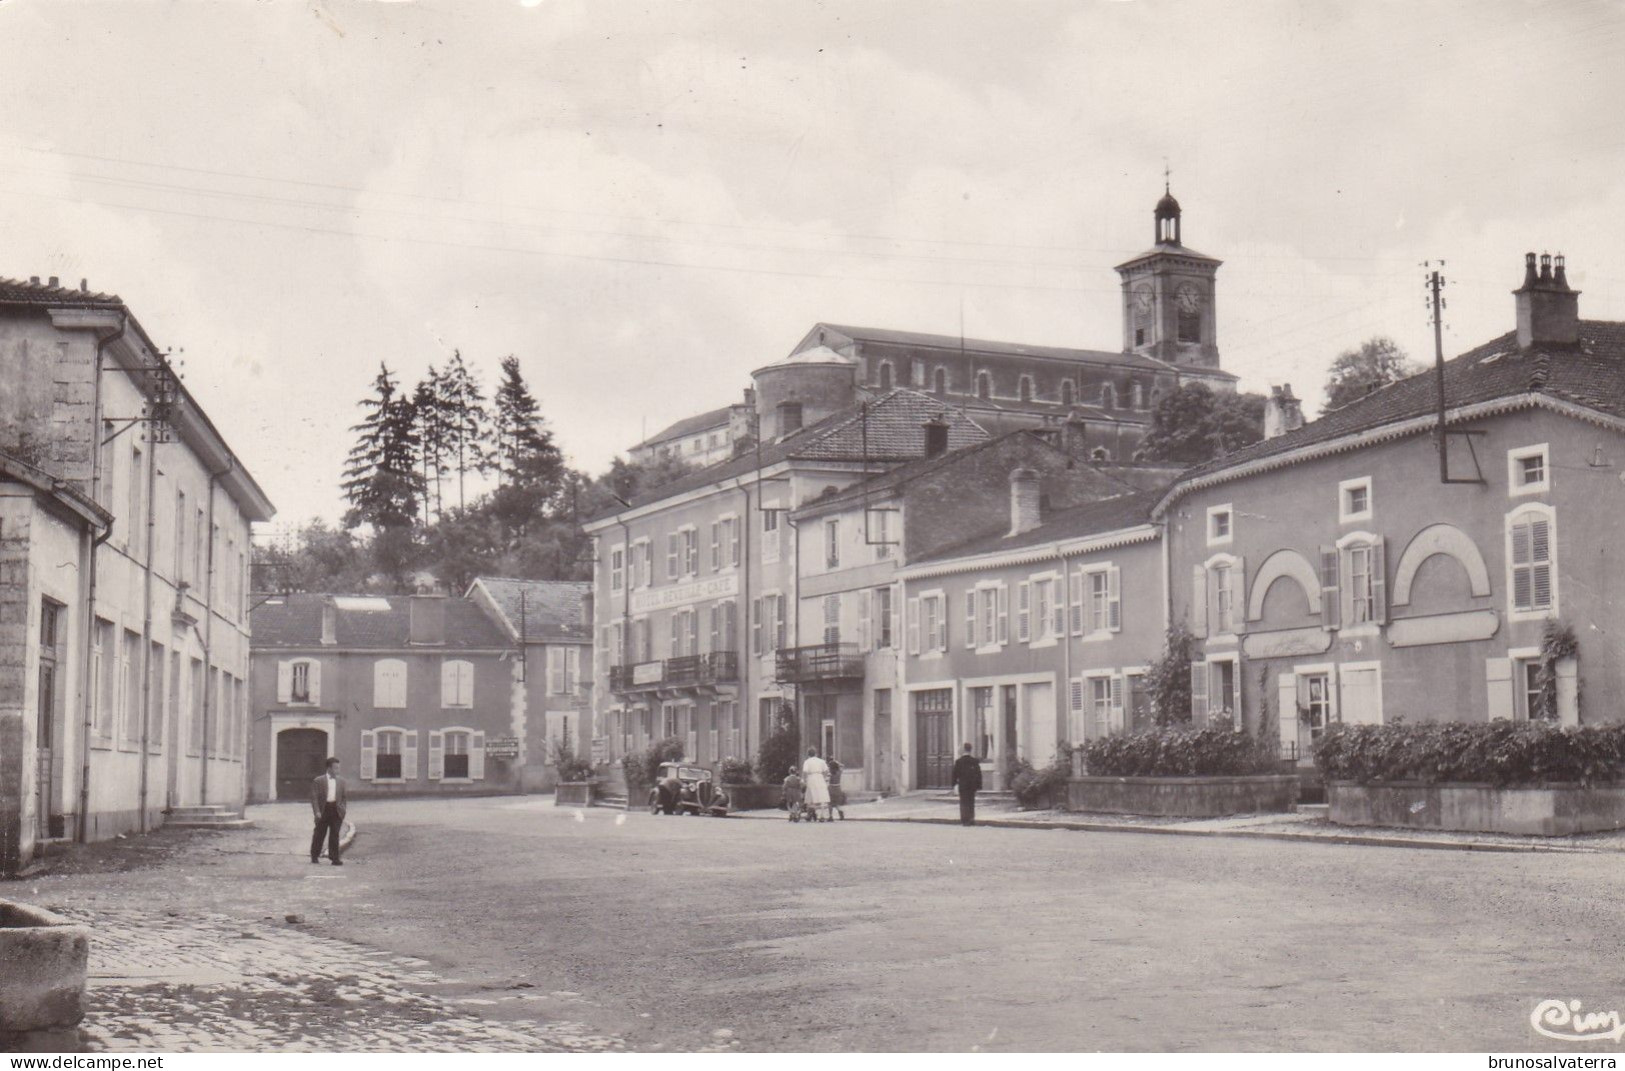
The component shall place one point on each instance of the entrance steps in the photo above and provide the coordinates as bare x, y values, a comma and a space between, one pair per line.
984, 796
213, 816
1312, 810
611, 800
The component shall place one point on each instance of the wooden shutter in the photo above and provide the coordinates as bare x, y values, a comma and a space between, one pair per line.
437, 754
714, 632
671, 555
448, 683
1238, 604
1540, 556
1198, 693
1024, 597
691, 622
409, 755
1498, 688
716, 545
970, 617
914, 626
864, 598
1198, 600
476, 756
369, 755
1331, 594
896, 601
1114, 599
756, 626
1286, 713
1002, 595
284, 682
1116, 715
1379, 583
1057, 592
733, 540
1568, 691
1075, 590
314, 680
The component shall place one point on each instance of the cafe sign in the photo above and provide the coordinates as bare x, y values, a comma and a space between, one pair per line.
717, 587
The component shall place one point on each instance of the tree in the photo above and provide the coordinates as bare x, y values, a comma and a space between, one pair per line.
466, 424
428, 405
529, 468
1355, 373
1168, 680
1194, 424
381, 478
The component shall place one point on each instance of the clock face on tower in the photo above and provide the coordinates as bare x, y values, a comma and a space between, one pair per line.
1188, 297
1142, 298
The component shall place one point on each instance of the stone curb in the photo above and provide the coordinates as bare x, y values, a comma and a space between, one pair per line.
1366, 839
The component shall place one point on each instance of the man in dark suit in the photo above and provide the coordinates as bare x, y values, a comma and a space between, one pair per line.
968, 779
327, 802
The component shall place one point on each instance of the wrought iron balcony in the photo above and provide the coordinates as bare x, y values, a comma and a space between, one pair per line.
638, 677
721, 667
683, 671
820, 662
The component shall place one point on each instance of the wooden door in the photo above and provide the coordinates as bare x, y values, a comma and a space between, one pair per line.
301, 756
933, 716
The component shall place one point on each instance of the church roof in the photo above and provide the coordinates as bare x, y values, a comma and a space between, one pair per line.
1168, 249
980, 346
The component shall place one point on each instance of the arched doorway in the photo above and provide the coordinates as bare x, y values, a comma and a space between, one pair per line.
301, 755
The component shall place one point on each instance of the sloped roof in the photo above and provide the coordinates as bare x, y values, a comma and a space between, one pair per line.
1089, 519
891, 425
714, 418
18, 292
954, 343
1592, 375
544, 609
296, 621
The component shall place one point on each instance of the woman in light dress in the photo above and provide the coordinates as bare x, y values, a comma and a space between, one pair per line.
815, 783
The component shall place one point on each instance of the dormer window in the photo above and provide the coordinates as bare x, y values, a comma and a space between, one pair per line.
984, 385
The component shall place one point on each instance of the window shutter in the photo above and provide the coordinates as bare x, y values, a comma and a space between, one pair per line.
1024, 597
914, 626
714, 633
1238, 596
970, 617
1075, 588
716, 545
896, 602
1057, 625
437, 754
1074, 707
315, 681
864, 598
671, 555
1379, 583
1198, 600
284, 682
476, 756
1116, 718
1003, 596
369, 756
733, 541
1331, 597
756, 626
1286, 713
1498, 688
779, 620
409, 755
1568, 692
1114, 600
1198, 693
1540, 555
448, 684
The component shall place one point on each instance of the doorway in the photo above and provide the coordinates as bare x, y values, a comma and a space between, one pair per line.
45, 729
301, 755
881, 780
934, 749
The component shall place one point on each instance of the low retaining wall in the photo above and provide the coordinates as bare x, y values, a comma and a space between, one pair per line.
574, 794
1182, 797
42, 985
1533, 810
754, 797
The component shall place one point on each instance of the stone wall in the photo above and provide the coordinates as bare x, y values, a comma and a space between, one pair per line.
1183, 797
1542, 811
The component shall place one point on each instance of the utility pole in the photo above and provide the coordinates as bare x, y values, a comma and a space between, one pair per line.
1435, 284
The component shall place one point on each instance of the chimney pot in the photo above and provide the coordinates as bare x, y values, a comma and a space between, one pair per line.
936, 437
1548, 309
1559, 279
1026, 501
329, 623
1282, 412
84, 286
54, 281
33, 280
1545, 267
1529, 276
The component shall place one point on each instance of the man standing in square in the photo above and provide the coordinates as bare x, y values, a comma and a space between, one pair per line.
968, 779
327, 802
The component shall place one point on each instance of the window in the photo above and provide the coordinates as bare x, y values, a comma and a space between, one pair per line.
984, 385
673, 554
1220, 529
691, 551
456, 683
883, 614
131, 665
1108, 396
1529, 470
1362, 591
389, 683
832, 619
1529, 701
1354, 500
1139, 396
879, 521
132, 533
1531, 550
770, 535
1213, 691
1024, 388
455, 765
724, 543
885, 375
767, 624
617, 568
982, 720
103, 660
1066, 393
832, 543
299, 684
390, 760
939, 381
1100, 705
928, 626
1225, 593
180, 536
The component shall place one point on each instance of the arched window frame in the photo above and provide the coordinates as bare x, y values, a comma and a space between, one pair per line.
373, 742
443, 744
1525, 512
885, 376
984, 384
1024, 388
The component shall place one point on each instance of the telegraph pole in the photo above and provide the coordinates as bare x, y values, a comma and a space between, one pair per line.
1435, 283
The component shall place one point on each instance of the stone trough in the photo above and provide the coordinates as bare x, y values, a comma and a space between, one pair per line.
42, 985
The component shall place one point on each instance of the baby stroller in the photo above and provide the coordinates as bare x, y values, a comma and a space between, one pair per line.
795, 799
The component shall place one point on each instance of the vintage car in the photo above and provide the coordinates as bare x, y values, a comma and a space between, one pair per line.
682, 788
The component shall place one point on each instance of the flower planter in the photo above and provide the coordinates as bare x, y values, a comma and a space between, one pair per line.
574, 793
42, 985
754, 797
1182, 797
1534, 810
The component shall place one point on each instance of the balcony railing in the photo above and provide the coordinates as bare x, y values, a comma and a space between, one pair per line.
820, 662
684, 671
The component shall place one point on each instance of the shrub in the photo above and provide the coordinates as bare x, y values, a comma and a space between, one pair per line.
642, 767
570, 766
1499, 752
782, 747
1215, 751
1040, 788
1168, 680
737, 772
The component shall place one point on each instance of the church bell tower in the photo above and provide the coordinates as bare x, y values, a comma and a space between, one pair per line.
1168, 296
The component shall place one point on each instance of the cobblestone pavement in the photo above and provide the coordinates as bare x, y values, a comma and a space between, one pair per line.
210, 983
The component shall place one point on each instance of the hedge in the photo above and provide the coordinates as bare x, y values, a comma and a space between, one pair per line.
1498, 752
1215, 752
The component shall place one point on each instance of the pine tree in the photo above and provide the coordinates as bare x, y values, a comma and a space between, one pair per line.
428, 405
529, 466
381, 478
467, 425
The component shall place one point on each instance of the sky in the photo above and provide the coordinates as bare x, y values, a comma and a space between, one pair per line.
646, 201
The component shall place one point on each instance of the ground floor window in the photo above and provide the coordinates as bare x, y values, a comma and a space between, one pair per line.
1527, 691
389, 756
981, 736
1315, 695
457, 755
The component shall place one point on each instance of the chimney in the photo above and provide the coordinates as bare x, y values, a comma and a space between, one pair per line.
428, 620
1075, 437
936, 436
54, 282
330, 623
1548, 309
1282, 412
1026, 502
